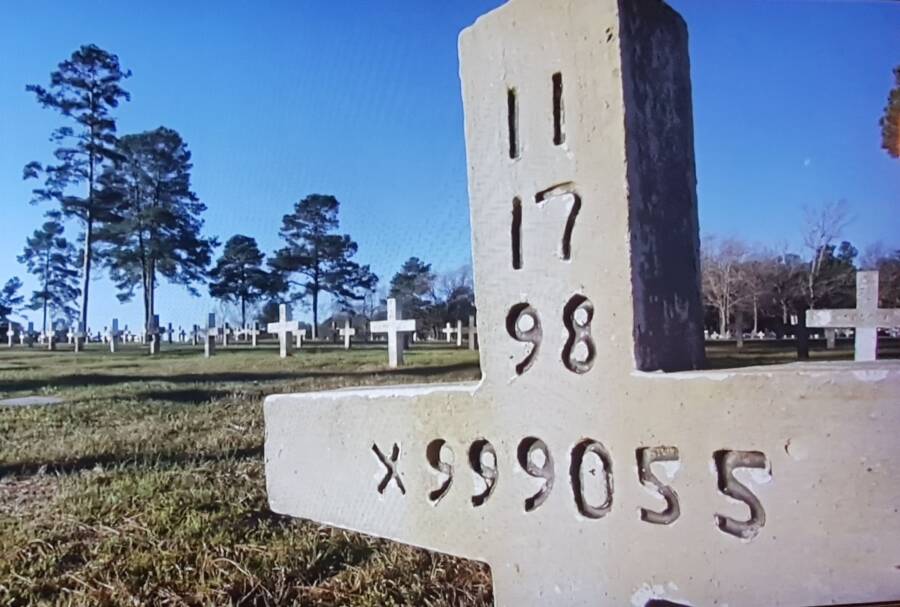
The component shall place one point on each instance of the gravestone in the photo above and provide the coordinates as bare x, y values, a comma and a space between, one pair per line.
10, 335
283, 328
472, 333
395, 326
752, 486
112, 335
70, 335
153, 334
77, 337
209, 340
195, 335
459, 333
182, 335
866, 318
347, 332
27, 335
448, 332
299, 334
253, 331
48, 338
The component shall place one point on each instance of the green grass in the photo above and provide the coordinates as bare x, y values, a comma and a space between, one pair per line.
147, 486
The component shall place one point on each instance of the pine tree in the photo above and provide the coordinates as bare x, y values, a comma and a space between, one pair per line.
85, 89
10, 300
52, 260
156, 231
320, 255
238, 276
890, 121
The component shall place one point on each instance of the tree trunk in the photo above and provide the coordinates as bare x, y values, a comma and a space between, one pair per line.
755, 315
723, 321
315, 327
86, 269
46, 289
802, 336
243, 311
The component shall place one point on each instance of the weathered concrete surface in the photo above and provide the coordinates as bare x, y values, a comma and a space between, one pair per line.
535, 469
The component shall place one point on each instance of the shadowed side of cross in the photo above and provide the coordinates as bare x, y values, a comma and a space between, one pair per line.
581, 473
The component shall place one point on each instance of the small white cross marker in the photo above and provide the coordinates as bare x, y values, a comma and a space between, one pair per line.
866, 318
283, 328
394, 326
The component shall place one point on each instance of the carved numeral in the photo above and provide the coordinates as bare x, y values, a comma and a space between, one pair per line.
483, 460
440, 457
535, 458
579, 351
580, 472
390, 465
563, 191
646, 456
523, 324
726, 463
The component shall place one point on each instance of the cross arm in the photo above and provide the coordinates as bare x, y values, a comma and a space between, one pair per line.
359, 460
847, 318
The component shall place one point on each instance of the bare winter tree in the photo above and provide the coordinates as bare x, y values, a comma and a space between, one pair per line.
724, 281
822, 227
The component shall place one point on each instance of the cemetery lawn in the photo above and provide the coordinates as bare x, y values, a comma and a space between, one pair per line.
147, 485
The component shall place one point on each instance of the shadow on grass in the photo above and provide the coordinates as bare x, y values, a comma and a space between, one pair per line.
104, 379
110, 460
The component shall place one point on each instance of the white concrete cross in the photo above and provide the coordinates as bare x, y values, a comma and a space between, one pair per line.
347, 332
448, 332
299, 334
70, 336
77, 336
10, 334
154, 335
112, 335
48, 338
472, 333
27, 336
866, 318
253, 331
284, 328
459, 333
394, 326
209, 341
585, 468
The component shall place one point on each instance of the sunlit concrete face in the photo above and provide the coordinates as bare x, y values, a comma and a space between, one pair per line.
577, 468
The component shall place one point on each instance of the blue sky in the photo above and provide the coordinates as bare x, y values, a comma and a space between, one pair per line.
361, 100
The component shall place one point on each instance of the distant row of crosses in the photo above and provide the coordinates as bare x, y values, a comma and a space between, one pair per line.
287, 330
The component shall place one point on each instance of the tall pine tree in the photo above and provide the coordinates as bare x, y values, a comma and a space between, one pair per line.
320, 256
238, 276
157, 218
52, 260
84, 89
